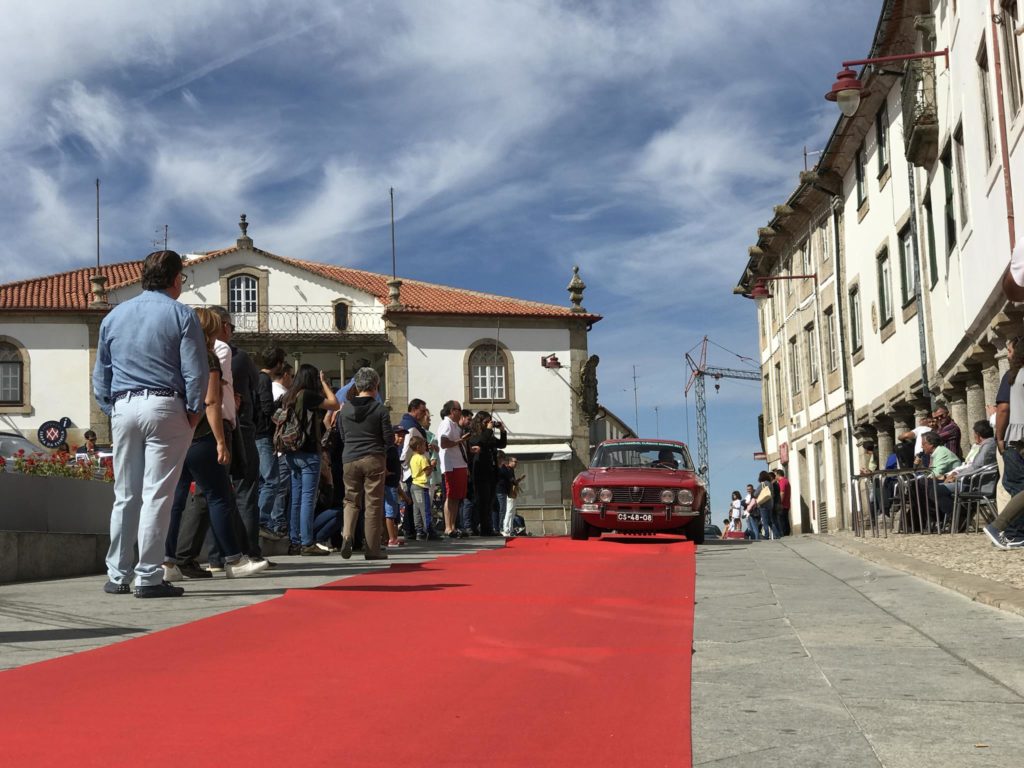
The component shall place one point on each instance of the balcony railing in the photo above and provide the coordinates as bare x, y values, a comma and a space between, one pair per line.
920, 115
302, 319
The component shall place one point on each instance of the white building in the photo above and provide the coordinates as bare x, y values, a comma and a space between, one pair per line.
905, 224
428, 341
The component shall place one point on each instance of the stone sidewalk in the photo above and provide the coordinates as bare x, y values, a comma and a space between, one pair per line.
805, 655
46, 619
966, 563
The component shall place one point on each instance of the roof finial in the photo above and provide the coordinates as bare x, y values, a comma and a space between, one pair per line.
244, 241
575, 288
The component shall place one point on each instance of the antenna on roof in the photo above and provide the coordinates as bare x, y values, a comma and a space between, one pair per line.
98, 281
97, 224
394, 268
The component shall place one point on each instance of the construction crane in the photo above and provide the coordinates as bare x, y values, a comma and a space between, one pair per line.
699, 369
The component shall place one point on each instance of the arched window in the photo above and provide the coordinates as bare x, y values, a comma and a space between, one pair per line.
243, 302
12, 375
488, 374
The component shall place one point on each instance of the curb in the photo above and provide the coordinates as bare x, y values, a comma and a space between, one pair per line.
977, 588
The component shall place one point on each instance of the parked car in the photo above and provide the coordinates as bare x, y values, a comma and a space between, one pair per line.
712, 531
12, 442
640, 487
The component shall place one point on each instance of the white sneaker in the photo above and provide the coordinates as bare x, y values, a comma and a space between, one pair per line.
172, 572
324, 547
244, 567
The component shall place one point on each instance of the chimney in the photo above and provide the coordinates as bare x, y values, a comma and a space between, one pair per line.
394, 293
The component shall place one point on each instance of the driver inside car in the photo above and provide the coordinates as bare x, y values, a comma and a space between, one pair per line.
666, 459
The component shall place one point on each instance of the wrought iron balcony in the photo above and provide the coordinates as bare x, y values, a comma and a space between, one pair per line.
920, 114
305, 320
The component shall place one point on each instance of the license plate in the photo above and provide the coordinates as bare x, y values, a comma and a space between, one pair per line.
635, 517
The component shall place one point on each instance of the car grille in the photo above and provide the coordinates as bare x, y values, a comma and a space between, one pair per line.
636, 495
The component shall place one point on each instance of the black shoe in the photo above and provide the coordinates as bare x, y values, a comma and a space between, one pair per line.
381, 556
163, 589
313, 550
117, 589
294, 549
191, 570
266, 533
346, 548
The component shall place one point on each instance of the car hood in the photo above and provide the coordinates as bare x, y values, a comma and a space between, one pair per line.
629, 476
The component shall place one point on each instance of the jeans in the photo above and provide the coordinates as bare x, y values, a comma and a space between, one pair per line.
151, 436
212, 479
304, 470
771, 528
326, 524
282, 502
753, 528
499, 512
466, 515
392, 511
421, 508
364, 481
269, 480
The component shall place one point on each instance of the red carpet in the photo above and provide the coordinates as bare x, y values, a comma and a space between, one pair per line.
550, 652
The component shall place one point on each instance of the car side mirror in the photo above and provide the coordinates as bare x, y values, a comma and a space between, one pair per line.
703, 469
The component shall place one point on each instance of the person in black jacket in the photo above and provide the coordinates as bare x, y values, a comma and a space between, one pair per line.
364, 426
488, 436
272, 361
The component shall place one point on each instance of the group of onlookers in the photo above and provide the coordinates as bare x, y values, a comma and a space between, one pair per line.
763, 511
206, 442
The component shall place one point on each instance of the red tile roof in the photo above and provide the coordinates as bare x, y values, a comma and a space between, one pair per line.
70, 291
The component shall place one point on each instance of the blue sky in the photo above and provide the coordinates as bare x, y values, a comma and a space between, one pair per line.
644, 141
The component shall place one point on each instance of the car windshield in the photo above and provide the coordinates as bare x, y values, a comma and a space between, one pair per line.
652, 455
11, 444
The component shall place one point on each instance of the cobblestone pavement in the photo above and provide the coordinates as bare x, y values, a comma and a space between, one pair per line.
970, 553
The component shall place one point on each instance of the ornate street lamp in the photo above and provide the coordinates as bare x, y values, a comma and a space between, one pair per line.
848, 89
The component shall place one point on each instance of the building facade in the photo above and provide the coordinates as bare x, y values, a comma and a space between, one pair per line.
905, 226
428, 341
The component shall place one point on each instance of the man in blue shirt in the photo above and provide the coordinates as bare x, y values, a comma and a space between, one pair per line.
150, 378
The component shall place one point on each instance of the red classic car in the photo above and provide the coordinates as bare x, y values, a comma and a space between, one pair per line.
639, 486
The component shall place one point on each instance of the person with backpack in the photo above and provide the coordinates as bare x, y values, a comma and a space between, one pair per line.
271, 361
297, 437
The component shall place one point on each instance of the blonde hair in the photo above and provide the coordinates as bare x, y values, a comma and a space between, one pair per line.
210, 323
417, 444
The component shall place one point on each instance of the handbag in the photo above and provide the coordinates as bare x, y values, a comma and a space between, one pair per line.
764, 496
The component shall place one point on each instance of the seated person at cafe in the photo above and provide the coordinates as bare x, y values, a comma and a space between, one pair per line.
941, 461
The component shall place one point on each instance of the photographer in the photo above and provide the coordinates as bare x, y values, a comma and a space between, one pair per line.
488, 436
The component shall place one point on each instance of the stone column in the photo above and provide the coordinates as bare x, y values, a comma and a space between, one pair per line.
902, 421
975, 406
990, 379
884, 441
958, 411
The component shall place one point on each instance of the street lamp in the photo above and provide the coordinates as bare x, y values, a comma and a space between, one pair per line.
848, 89
759, 290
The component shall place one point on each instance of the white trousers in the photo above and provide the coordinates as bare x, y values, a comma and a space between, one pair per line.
151, 437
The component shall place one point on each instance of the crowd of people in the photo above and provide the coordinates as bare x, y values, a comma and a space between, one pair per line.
211, 453
763, 511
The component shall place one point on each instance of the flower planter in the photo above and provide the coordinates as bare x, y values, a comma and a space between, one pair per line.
54, 504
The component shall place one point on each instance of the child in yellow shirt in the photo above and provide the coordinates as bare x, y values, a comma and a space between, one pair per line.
421, 468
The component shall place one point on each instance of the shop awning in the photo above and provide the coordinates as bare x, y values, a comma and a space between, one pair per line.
552, 451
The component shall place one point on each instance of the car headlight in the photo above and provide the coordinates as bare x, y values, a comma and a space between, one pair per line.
587, 495
668, 496
686, 497
605, 495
